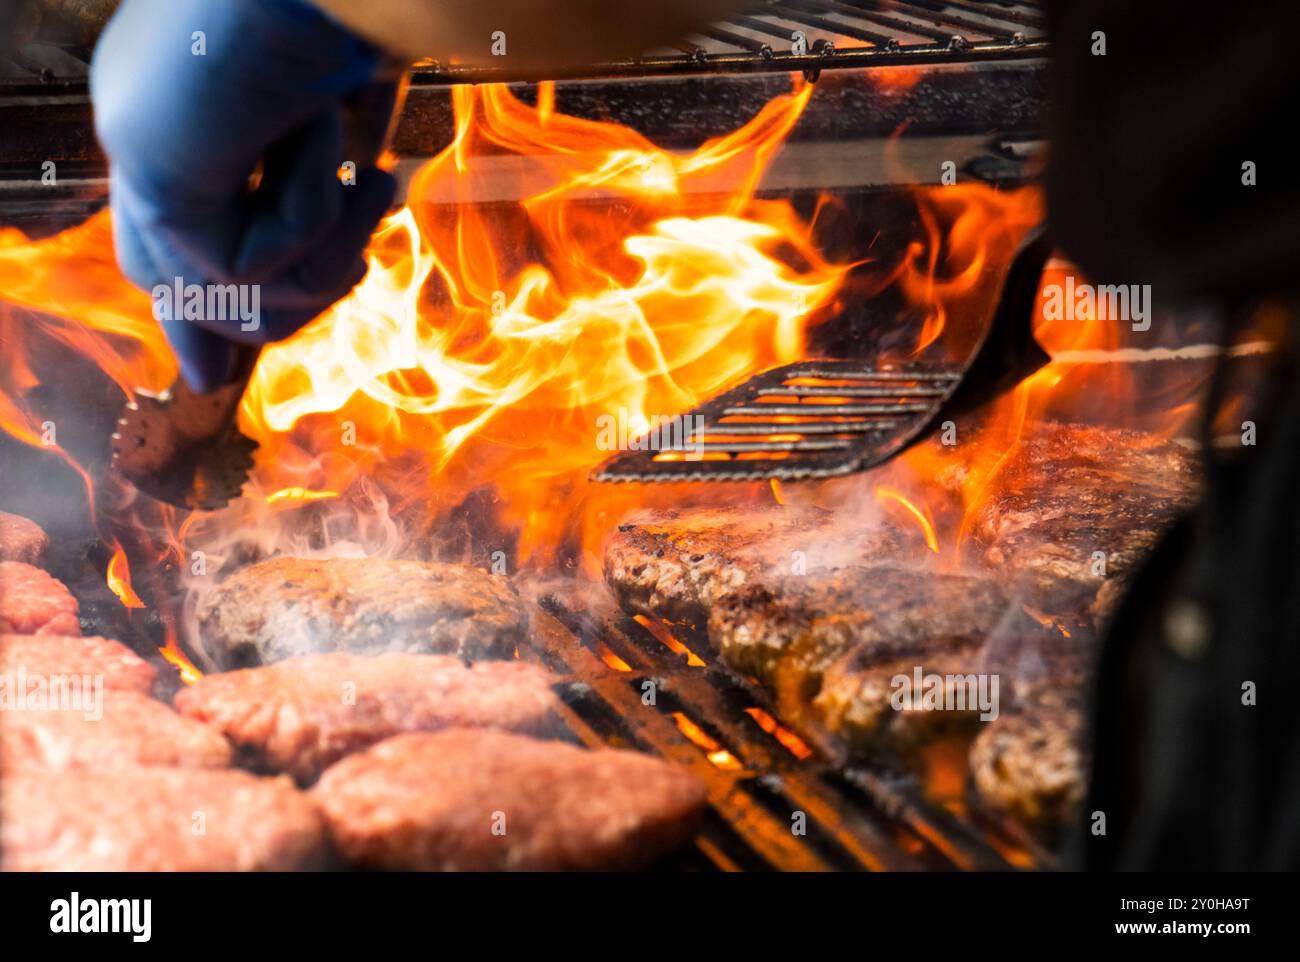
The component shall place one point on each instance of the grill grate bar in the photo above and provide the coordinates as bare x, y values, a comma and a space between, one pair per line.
757, 783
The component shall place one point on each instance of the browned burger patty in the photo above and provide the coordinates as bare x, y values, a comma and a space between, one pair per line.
857, 700
1030, 764
300, 715
155, 820
33, 603
676, 565
20, 539
857, 697
73, 655
785, 632
1070, 491
481, 801
121, 729
285, 607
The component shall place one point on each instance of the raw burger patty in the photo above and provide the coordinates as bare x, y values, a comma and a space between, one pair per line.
284, 607
33, 603
155, 820
677, 564
20, 539
127, 729
431, 801
51, 655
300, 715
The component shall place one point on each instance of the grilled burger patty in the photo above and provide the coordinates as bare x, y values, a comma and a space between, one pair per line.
285, 607
856, 700
127, 729
787, 631
155, 820
1030, 763
20, 539
300, 715
481, 800
677, 564
92, 657
34, 603
1069, 491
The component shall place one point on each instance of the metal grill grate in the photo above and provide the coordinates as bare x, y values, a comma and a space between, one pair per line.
816, 35
760, 775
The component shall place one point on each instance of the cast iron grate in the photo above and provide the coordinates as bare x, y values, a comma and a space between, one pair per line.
761, 775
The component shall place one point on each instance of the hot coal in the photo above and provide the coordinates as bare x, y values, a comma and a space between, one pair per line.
21, 539
110, 730
35, 603
301, 715
479, 800
155, 820
285, 607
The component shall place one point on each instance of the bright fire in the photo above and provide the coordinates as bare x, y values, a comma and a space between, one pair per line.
469, 372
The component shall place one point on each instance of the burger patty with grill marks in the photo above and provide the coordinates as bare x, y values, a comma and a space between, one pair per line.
482, 801
34, 603
156, 820
21, 539
286, 607
300, 715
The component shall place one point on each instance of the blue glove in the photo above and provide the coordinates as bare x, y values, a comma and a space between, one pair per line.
185, 126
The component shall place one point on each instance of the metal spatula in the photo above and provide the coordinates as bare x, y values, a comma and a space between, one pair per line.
828, 417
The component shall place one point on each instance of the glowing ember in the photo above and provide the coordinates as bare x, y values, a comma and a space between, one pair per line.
792, 742
716, 754
611, 659
119, 580
662, 634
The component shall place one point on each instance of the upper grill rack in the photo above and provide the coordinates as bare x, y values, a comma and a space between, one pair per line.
816, 35
775, 35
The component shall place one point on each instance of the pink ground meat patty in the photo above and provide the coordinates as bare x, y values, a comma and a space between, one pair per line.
299, 716
117, 729
465, 800
33, 603
51, 655
20, 539
156, 820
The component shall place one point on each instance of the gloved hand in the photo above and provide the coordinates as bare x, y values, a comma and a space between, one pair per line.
190, 96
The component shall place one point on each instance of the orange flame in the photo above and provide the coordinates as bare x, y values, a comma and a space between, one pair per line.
119, 580
889, 496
